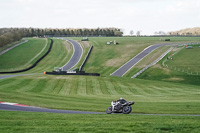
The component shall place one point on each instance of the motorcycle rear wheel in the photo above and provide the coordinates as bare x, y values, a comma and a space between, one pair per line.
127, 109
109, 110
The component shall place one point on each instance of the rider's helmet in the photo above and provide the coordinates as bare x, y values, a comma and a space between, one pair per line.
121, 98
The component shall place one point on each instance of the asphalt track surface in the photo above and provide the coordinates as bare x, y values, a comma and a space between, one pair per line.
37, 109
13, 47
15, 75
78, 51
126, 67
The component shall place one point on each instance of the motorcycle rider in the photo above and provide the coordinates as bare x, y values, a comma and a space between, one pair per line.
121, 101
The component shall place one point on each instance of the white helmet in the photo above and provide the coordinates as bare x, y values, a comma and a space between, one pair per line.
121, 98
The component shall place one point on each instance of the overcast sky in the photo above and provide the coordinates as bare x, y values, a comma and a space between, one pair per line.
147, 16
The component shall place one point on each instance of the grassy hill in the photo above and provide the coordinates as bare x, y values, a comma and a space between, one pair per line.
11, 121
95, 93
24, 55
105, 59
60, 54
184, 68
187, 31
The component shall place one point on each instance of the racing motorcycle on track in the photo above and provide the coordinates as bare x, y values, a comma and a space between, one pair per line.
120, 106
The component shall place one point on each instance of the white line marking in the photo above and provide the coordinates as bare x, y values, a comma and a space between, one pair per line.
8, 103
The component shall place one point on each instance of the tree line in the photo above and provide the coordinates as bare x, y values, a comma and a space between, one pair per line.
8, 35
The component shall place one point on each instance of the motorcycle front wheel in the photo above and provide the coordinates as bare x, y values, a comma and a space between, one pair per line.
109, 110
127, 109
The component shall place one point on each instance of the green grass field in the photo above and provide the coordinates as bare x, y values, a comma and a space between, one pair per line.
10, 45
95, 93
184, 68
157, 91
186, 60
24, 55
60, 54
27, 122
105, 59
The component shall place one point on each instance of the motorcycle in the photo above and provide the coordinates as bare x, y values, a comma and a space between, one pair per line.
117, 107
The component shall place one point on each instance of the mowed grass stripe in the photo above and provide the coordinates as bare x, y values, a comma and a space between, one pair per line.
110, 86
118, 88
59, 86
132, 88
139, 89
40, 85
24, 88
74, 86
159, 90
82, 85
51, 83
103, 86
11, 85
28, 87
63, 89
97, 88
151, 90
122, 88
147, 90
6, 82
89, 85
67, 87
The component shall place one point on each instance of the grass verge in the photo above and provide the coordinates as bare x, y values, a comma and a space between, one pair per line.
24, 55
49, 122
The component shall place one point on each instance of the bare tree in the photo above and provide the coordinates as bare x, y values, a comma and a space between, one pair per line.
161, 33
138, 33
131, 32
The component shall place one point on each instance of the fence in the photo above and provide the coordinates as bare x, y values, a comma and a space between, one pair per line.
153, 63
181, 70
83, 64
73, 73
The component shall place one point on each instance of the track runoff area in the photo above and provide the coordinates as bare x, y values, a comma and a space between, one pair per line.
26, 108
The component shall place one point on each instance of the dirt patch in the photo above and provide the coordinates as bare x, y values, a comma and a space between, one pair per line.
114, 62
85, 44
175, 49
62, 77
68, 46
174, 79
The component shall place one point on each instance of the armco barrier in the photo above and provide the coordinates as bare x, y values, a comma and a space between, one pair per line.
81, 67
153, 63
76, 73
26, 69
